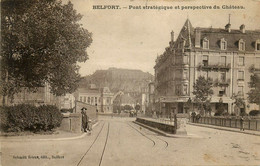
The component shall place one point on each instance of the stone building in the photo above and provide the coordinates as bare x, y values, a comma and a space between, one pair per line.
223, 54
102, 98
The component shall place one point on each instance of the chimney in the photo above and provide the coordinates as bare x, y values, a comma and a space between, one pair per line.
228, 27
172, 36
197, 38
242, 28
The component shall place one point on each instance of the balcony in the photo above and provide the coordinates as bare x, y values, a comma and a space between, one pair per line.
240, 80
214, 67
221, 83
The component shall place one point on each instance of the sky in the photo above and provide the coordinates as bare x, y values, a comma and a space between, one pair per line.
132, 38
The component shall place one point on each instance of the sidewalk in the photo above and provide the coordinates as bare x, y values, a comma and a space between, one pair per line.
251, 132
58, 135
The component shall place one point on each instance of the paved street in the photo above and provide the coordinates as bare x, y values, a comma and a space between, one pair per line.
118, 141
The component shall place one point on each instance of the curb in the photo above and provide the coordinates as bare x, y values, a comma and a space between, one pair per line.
164, 133
224, 129
49, 139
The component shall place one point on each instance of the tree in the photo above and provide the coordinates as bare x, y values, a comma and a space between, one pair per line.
42, 41
128, 107
239, 102
254, 84
203, 92
137, 107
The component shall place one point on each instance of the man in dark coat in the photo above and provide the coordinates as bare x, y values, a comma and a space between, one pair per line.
84, 119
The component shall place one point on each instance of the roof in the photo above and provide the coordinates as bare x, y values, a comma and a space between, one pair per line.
214, 35
187, 33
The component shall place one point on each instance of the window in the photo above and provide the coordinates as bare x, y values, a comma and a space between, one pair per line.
99, 100
185, 59
185, 89
240, 90
108, 101
223, 44
223, 60
241, 75
85, 99
185, 75
223, 77
257, 45
88, 99
205, 60
241, 45
95, 100
92, 100
241, 61
80, 98
205, 43
222, 91
177, 90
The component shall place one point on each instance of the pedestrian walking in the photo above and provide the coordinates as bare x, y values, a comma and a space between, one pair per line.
84, 119
193, 115
242, 123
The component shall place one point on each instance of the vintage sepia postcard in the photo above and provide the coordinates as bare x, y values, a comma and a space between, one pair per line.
130, 82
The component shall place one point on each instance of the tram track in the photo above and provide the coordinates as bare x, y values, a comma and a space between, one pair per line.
145, 134
93, 143
142, 134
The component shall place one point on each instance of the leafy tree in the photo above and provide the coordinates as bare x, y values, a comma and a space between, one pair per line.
128, 107
42, 41
239, 102
203, 92
137, 107
254, 84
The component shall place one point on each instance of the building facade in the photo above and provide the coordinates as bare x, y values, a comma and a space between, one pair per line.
102, 98
224, 55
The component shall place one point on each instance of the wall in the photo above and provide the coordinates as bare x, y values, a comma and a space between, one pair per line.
91, 110
71, 123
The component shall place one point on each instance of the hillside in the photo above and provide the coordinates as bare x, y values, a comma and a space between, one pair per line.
126, 80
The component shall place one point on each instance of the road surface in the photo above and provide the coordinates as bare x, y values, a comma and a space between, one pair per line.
118, 141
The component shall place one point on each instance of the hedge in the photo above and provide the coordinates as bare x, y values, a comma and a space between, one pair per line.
25, 117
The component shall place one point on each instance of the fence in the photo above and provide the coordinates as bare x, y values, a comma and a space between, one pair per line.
232, 122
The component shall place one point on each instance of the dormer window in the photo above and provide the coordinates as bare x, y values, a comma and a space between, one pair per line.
241, 45
257, 45
205, 43
223, 44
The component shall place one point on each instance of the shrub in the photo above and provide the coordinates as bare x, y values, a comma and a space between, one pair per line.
217, 113
254, 113
65, 110
31, 118
4, 118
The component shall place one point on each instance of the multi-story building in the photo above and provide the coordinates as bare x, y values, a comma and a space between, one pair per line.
102, 98
225, 55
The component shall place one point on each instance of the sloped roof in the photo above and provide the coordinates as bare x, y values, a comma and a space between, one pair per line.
187, 34
214, 35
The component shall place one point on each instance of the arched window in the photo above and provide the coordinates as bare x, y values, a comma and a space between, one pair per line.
223, 44
241, 45
205, 43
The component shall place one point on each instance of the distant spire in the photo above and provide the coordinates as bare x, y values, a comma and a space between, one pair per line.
229, 18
